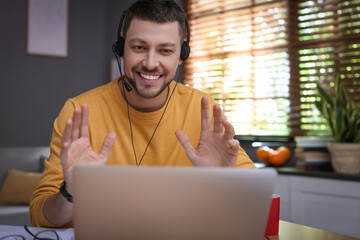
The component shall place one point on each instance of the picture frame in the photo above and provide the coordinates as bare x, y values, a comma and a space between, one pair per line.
47, 27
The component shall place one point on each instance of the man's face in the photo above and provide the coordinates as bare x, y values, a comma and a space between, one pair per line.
151, 55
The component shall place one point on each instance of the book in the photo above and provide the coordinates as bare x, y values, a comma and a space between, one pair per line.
311, 154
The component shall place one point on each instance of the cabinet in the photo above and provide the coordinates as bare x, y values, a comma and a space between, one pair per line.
328, 204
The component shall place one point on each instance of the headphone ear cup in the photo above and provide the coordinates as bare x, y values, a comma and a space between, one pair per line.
185, 51
119, 47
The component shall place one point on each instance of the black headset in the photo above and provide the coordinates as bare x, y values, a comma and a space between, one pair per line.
118, 46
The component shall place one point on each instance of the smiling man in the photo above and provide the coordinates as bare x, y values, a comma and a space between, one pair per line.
143, 119
150, 61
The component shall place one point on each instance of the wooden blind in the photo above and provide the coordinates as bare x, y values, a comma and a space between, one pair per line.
257, 59
239, 56
325, 44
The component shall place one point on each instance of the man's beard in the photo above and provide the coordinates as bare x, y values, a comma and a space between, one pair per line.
144, 95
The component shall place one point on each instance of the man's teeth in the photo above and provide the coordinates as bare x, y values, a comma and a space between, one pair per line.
150, 77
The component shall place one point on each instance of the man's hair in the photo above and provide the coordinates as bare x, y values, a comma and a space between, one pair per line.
160, 11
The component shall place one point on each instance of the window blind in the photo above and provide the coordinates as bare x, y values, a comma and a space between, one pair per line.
261, 60
239, 55
326, 45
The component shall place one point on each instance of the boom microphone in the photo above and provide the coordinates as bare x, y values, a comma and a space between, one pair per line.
127, 86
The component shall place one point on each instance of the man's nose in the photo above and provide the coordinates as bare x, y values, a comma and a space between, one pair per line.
151, 61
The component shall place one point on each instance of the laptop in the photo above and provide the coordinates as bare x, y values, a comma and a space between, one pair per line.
117, 202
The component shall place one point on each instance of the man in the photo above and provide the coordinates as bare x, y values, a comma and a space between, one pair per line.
143, 119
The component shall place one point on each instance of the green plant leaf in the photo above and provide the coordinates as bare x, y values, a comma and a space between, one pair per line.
321, 106
332, 121
349, 133
342, 97
324, 95
341, 113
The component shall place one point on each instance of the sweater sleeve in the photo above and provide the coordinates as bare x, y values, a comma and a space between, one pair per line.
243, 160
53, 174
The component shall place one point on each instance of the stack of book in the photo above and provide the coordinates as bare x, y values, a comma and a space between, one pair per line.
311, 153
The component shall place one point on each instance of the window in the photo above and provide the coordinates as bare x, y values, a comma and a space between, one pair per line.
261, 60
326, 44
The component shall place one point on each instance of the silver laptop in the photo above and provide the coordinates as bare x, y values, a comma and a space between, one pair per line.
114, 202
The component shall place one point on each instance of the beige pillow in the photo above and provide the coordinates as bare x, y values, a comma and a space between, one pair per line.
18, 187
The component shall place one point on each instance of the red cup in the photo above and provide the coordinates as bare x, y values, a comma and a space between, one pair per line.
272, 227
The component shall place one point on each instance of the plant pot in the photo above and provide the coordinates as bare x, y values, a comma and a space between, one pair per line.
345, 157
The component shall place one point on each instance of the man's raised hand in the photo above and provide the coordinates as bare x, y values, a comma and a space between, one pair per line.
216, 147
76, 148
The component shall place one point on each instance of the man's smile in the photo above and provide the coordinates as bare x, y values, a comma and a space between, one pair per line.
148, 79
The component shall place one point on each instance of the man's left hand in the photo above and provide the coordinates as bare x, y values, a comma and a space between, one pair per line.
216, 147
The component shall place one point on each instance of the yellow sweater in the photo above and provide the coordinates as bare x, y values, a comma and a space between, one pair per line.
108, 112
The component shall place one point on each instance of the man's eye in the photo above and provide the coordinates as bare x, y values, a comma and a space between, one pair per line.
166, 51
137, 48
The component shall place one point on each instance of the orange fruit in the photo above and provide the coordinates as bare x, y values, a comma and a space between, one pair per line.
279, 157
262, 153
285, 152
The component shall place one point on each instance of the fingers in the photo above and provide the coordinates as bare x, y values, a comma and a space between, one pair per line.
64, 153
219, 122
218, 127
76, 124
205, 114
66, 137
66, 142
186, 143
84, 125
229, 130
233, 145
76, 127
108, 144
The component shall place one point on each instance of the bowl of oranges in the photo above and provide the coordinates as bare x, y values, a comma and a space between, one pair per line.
273, 157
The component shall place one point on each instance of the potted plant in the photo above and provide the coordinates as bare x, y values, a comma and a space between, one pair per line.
343, 117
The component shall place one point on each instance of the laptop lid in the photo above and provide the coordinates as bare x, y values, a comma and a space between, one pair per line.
116, 202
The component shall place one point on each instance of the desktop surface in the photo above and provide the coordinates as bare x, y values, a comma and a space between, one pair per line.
287, 231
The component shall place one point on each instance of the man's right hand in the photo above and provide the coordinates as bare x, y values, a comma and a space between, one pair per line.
76, 148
